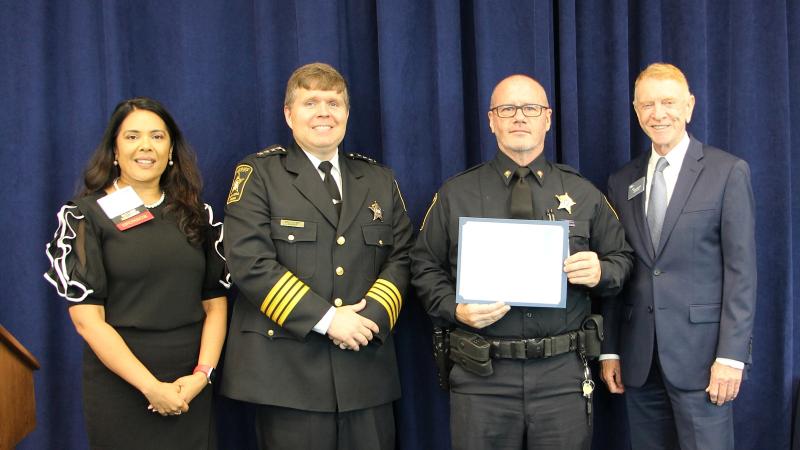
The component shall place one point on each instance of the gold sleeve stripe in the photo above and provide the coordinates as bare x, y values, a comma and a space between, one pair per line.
388, 284
279, 297
391, 302
383, 303
285, 299
425, 219
292, 304
274, 290
388, 295
611, 207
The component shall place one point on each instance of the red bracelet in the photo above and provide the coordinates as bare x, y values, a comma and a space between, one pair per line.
207, 370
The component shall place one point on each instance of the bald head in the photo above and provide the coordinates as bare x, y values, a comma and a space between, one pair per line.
521, 136
519, 82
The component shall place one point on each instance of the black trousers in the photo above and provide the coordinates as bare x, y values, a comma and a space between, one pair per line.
533, 405
280, 428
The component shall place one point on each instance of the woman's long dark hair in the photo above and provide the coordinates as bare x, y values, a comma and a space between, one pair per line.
181, 181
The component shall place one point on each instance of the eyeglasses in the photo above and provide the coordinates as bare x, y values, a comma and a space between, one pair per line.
529, 110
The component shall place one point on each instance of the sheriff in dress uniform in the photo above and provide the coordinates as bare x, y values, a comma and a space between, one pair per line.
317, 243
534, 393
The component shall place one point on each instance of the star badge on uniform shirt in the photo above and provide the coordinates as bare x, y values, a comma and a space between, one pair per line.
377, 212
565, 202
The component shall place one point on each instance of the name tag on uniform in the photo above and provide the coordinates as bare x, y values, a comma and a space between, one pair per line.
292, 223
636, 188
125, 208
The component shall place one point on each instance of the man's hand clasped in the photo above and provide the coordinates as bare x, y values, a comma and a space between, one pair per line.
351, 330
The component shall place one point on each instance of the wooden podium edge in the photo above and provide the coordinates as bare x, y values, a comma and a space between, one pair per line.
27, 357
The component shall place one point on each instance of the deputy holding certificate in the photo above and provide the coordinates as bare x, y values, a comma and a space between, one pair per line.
520, 374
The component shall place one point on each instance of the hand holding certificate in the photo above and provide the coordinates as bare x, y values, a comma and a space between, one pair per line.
518, 262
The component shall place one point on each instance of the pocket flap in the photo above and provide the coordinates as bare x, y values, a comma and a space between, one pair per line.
704, 313
378, 234
580, 229
700, 206
258, 323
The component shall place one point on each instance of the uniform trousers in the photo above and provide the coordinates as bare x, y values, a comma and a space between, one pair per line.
535, 404
663, 417
279, 428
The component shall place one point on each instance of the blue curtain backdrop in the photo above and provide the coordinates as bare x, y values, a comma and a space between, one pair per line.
420, 74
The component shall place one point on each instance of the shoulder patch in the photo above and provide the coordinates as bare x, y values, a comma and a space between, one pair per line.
400, 194
360, 157
611, 207
425, 219
271, 150
240, 177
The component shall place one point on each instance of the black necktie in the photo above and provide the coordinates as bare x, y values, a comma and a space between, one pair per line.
330, 185
521, 195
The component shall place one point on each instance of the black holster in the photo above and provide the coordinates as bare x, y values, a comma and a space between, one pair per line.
591, 340
471, 351
441, 355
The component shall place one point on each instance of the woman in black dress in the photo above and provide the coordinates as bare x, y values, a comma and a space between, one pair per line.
147, 288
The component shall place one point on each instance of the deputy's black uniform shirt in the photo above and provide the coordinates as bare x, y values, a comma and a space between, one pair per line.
484, 191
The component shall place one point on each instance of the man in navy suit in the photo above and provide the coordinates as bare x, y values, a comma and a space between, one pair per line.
680, 334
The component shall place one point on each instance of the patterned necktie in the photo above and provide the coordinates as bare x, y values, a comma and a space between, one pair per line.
521, 195
330, 185
657, 204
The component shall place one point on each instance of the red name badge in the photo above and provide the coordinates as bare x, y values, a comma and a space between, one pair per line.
125, 208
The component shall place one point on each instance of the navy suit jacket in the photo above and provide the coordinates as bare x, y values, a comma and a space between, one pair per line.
695, 293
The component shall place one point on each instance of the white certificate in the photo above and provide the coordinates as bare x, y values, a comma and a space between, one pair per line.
518, 262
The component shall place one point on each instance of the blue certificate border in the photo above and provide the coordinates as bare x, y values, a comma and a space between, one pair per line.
563, 224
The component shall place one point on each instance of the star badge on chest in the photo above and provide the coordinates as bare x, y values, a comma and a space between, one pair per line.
565, 202
377, 212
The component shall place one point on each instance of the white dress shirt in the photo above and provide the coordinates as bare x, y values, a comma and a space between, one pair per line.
322, 326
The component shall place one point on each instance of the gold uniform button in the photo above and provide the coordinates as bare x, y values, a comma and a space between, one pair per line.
337, 302
339, 271
270, 333
380, 241
340, 240
290, 237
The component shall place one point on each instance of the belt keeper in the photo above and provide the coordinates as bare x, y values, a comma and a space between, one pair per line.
518, 350
547, 347
505, 349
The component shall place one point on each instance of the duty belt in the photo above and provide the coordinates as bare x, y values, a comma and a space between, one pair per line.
537, 348
474, 352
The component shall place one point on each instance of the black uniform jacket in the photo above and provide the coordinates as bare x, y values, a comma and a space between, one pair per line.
484, 191
291, 260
